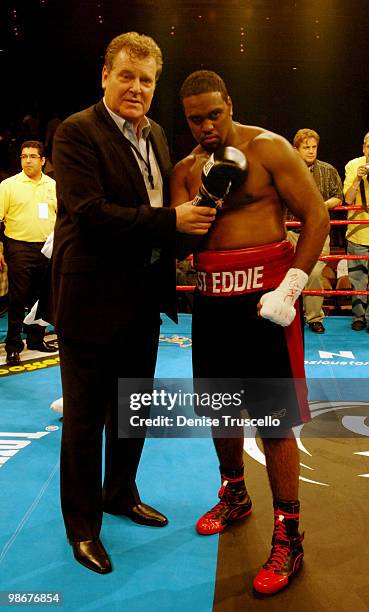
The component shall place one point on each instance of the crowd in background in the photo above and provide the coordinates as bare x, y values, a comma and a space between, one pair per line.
28, 127
332, 274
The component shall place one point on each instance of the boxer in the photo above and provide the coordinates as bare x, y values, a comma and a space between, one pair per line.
249, 280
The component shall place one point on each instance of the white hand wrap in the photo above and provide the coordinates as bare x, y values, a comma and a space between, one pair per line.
278, 305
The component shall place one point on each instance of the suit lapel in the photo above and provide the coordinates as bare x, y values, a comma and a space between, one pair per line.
158, 151
161, 153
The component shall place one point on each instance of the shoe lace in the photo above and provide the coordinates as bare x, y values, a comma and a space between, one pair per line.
218, 509
225, 495
280, 545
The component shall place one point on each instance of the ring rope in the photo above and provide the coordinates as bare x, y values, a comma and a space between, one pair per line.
345, 222
334, 292
192, 288
343, 256
326, 292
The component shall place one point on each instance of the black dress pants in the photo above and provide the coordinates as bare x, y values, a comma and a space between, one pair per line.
26, 272
90, 373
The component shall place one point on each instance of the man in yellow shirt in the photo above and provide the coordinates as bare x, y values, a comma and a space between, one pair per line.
28, 209
356, 190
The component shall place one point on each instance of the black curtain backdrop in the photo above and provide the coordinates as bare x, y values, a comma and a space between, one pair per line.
287, 64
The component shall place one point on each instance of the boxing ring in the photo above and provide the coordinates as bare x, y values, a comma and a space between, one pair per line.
333, 481
175, 568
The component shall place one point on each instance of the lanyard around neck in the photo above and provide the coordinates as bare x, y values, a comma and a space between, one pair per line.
146, 162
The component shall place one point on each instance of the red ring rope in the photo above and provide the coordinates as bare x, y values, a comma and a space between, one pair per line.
331, 292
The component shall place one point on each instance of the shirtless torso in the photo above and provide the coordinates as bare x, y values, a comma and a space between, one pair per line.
255, 213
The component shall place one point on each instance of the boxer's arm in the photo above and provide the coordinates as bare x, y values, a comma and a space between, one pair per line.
299, 192
179, 193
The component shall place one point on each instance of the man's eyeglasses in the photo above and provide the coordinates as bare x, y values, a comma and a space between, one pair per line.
32, 156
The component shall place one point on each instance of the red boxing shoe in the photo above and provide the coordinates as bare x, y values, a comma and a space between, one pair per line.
235, 504
285, 559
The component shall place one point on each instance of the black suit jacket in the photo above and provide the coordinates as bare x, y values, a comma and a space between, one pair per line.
106, 230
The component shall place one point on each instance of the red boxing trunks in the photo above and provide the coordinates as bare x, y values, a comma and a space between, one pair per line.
230, 340
235, 272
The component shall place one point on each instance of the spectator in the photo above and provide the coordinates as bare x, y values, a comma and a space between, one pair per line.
31, 125
28, 208
327, 179
356, 190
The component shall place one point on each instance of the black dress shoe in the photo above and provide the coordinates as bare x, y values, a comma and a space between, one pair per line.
317, 327
140, 513
13, 358
44, 347
358, 325
92, 555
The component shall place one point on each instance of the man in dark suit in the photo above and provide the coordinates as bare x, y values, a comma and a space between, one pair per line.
113, 273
